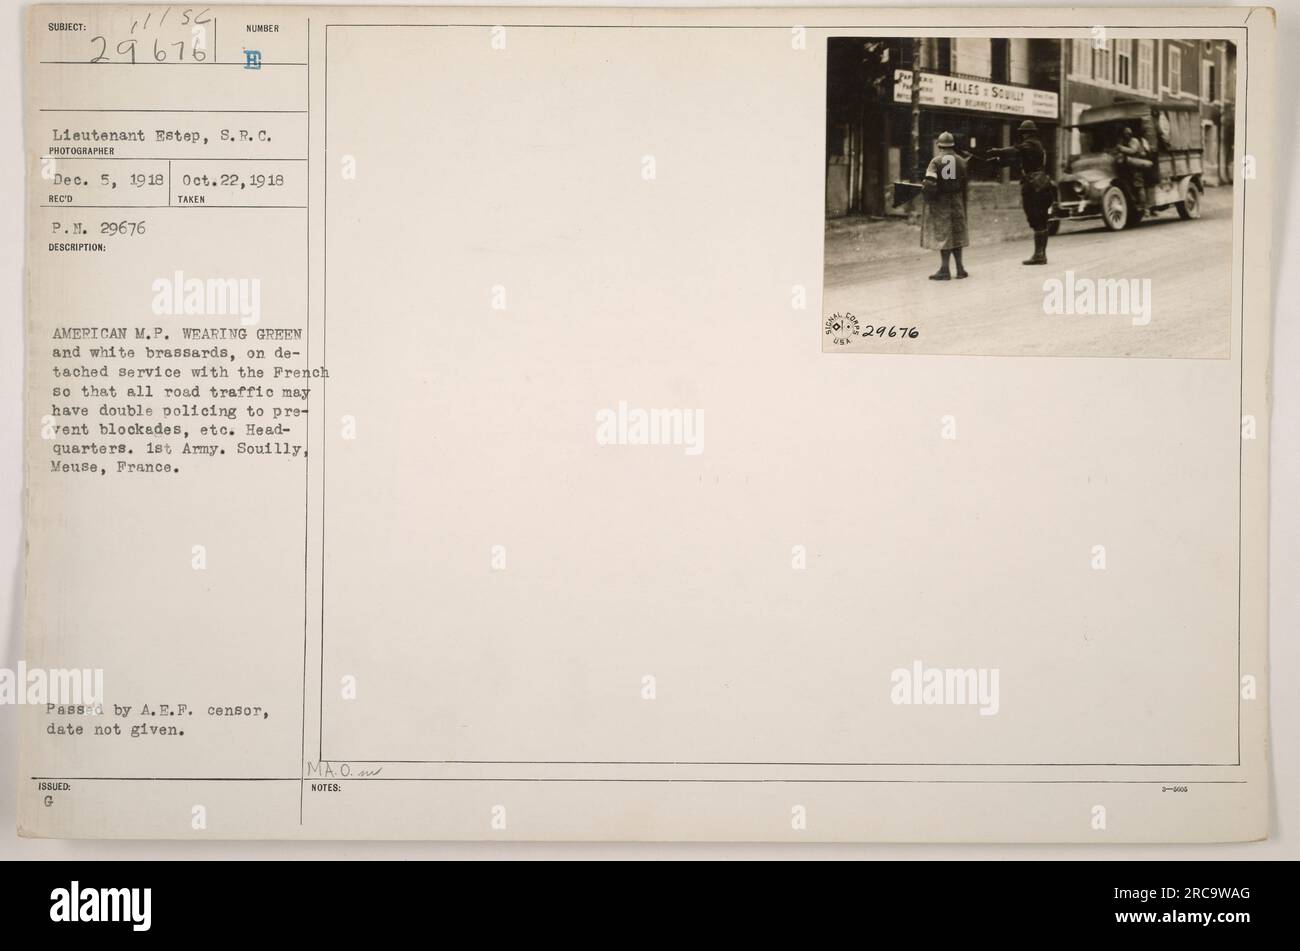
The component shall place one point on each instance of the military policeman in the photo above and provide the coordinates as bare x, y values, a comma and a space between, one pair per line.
943, 215
1037, 190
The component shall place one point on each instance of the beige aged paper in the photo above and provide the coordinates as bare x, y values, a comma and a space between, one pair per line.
430, 434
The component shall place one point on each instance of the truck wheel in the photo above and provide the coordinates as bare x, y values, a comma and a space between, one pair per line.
1190, 206
1053, 227
1114, 208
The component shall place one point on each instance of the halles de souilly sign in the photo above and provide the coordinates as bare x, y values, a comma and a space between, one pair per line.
954, 92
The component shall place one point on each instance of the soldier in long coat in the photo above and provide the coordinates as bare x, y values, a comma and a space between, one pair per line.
943, 214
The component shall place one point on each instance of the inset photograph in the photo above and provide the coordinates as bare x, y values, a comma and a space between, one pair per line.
1011, 196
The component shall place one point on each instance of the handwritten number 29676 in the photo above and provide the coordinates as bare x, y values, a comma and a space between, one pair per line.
133, 46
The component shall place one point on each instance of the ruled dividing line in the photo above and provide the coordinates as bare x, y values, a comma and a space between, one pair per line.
300, 112
808, 764
644, 779
155, 158
306, 467
82, 62
181, 207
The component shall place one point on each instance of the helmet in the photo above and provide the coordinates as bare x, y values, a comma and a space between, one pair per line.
1027, 126
945, 140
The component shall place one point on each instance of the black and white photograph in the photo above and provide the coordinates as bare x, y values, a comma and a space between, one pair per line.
1030, 196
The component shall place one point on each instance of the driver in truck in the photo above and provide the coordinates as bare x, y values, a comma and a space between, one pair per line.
1135, 156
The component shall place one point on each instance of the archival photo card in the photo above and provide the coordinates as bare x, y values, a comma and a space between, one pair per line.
435, 428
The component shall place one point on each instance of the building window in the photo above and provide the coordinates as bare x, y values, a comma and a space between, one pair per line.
1019, 55
1175, 71
1076, 137
1209, 81
1146, 77
1081, 59
1000, 57
1102, 63
973, 57
1124, 62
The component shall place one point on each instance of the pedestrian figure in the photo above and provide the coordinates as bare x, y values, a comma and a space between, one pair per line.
1037, 190
943, 215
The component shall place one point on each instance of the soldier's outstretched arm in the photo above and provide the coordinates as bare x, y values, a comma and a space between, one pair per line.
1002, 156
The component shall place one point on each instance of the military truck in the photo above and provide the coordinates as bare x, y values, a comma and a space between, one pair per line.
1121, 189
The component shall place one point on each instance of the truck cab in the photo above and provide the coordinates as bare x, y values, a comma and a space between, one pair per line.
1120, 185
